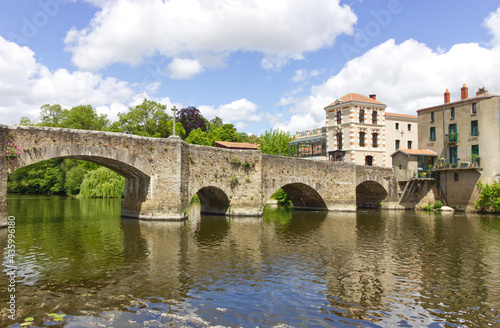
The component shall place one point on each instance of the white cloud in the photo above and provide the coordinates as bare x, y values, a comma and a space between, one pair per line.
184, 68
127, 31
301, 74
237, 112
492, 22
406, 77
25, 85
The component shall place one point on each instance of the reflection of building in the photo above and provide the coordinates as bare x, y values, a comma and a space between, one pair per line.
459, 132
401, 131
310, 143
356, 130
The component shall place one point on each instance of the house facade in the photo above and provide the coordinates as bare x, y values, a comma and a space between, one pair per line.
401, 133
466, 136
355, 128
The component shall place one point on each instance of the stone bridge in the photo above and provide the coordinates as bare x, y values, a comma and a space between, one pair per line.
163, 175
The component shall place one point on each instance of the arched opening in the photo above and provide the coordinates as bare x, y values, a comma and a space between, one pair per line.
304, 197
213, 201
136, 184
370, 194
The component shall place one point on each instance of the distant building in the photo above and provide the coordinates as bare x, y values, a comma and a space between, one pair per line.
236, 145
355, 127
466, 136
412, 163
309, 144
401, 132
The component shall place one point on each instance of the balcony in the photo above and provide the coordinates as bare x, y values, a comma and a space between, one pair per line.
452, 138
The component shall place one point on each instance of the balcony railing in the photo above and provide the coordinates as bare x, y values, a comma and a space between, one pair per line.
452, 137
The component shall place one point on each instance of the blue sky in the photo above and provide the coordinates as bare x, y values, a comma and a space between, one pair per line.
258, 64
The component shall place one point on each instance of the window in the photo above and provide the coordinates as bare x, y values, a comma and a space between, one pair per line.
339, 140
474, 128
361, 139
433, 133
339, 117
361, 116
374, 140
374, 117
432, 116
397, 126
369, 160
452, 131
409, 144
474, 109
453, 156
456, 176
475, 150
409, 127
397, 144
452, 112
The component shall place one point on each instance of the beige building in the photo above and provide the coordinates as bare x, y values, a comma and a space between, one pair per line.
412, 163
356, 130
466, 136
401, 132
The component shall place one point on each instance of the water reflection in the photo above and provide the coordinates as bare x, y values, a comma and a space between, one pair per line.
321, 269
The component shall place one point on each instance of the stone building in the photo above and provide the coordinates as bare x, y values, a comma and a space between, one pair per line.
466, 136
356, 130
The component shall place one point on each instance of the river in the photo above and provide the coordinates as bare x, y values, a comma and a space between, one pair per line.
79, 264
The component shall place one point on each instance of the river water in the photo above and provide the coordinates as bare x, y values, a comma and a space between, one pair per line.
79, 264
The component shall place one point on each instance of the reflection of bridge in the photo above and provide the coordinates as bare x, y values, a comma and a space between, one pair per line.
162, 175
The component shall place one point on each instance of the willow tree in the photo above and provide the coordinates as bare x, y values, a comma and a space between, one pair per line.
102, 183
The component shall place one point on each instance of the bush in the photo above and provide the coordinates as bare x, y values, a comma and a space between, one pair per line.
282, 197
489, 197
437, 205
102, 183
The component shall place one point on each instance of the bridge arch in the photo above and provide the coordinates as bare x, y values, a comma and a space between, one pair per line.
369, 194
304, 197
135, 171
213, 200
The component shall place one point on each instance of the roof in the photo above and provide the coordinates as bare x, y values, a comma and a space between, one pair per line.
355, 97
236, 145
416, 152
450, 104
401, 115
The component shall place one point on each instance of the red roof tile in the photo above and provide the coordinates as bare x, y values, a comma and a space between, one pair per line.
425, 152
236, 145
356, 97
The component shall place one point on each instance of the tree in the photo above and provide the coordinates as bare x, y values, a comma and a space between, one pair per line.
214, 124
148, 119
84, 117
52, 115
225, 132
102, 183
199, 137
275, 142
179, 129
25, 121
191, 119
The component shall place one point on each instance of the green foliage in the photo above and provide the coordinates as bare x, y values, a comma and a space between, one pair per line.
275, 142
282, 197
148, 119
199, 137
234, 181
74, 178
437, 205
45, 177
489, 197
102, 183
226, 132
83, 117
25, 121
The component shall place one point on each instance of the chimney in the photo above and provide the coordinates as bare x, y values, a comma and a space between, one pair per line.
465, 92
374, 97
447, 97
481, 91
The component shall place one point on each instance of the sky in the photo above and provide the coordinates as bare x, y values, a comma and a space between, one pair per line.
257, 64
